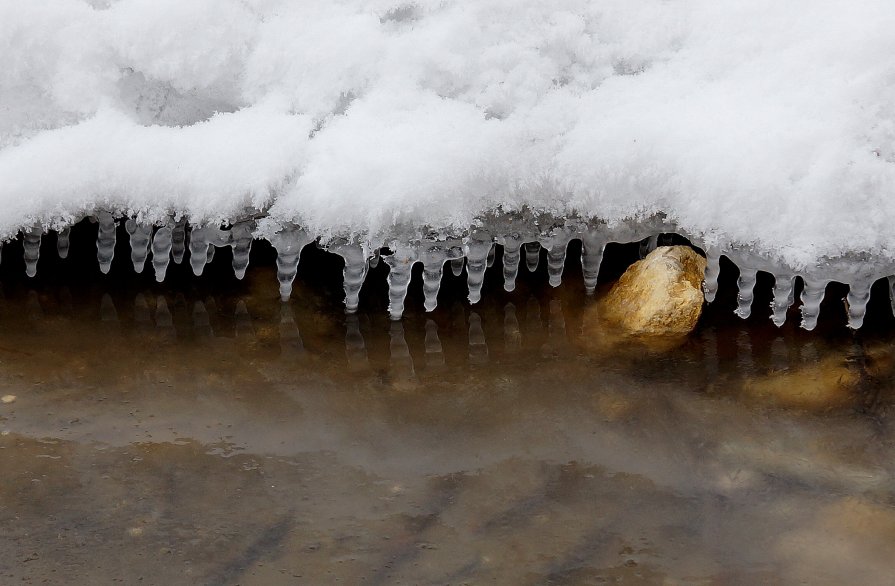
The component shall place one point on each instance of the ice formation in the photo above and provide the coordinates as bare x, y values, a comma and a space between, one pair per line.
763, 131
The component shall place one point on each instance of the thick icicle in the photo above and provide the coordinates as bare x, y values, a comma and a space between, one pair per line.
457, 266
812, 295
783, 297
32, 250
478, 348
178, 241
648, 244
105, 241
140, 235
400, 268
532, 255
746, 286
712, 270
593, 243
289, 244
492, 255
355, 272
434, 350
478, 247
161, 252
199, 247
512, 335
241, 244
433, 258
556, 245
63, 242
512, 248
856, 303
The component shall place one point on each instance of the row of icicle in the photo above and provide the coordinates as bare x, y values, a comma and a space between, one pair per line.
476, 251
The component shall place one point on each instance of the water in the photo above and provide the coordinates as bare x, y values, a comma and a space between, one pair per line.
203, 432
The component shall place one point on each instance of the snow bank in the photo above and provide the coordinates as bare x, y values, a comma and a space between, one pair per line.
769, 124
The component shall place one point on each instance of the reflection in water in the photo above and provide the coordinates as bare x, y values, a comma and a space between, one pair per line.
233, 462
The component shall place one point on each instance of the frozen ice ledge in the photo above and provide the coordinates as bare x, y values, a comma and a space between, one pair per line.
521, 236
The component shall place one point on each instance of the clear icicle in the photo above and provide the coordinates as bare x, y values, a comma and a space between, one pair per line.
856, 303
592, 246
512, 335
512, 248
783, 298
649, 244
289, 244
63, 242
355, 272
241, 243
178, 241
433, 258
478, 348
492, 255
161, 252
532, 255
712, 270
105, 241
812, 295
746, 286
556, 246
400, 269
457, 266
199, 247
478, 247
140, 236
32, 250
434, 350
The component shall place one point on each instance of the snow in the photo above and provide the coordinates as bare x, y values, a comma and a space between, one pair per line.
749, 122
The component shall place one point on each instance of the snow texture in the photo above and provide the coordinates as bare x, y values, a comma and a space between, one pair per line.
751, 122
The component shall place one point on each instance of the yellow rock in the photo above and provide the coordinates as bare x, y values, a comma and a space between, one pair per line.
827, 384
659, 295
7, 398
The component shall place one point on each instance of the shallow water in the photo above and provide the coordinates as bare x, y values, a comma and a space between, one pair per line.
190, 433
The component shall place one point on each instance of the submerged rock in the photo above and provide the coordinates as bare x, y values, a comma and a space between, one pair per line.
827, 384
659, 295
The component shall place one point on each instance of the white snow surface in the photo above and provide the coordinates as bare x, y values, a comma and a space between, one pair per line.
757, 122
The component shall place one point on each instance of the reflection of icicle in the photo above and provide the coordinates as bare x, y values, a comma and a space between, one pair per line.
63, 242
142, 316
355, 348
107, 311
244, 327
434, 350
290, 336
32, 250
492, 255
478, 348
712, 270
241, 243
178, 241
533, 324
202, 321
140, 235
710, 354
105, 241
532, 255
400, 269
556, 322
478, 247
891, 280
400, 360
512, 247
34, 310
746, 285
856, 303
354, 273
288, 244
161, 252
745, 359
593, 243
512, 336
812, 295
164, 321
779, 354
783, 297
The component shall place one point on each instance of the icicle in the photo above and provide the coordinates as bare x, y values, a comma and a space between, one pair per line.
374, 260
209, 256
783, 298
856, 303
354, 273
32, 250
812, 295
201, 320
556, 246
105, 241
400, 268
891, 280
649, 244
492, 254
290, 336
433, 258
178, 241
161, 252
244, 327
532, 255
512, 335
400, 360
63, 242
457, 266
593, 243
140, 235
288, 244
478, 247
712, 269
478, 348
512, 246
746, 285
355, 348
434, 350
199, 247
241, 243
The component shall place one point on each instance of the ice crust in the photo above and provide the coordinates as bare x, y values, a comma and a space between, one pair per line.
763, 130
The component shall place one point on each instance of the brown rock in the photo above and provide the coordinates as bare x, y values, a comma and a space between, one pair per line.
659, 295
817, 387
